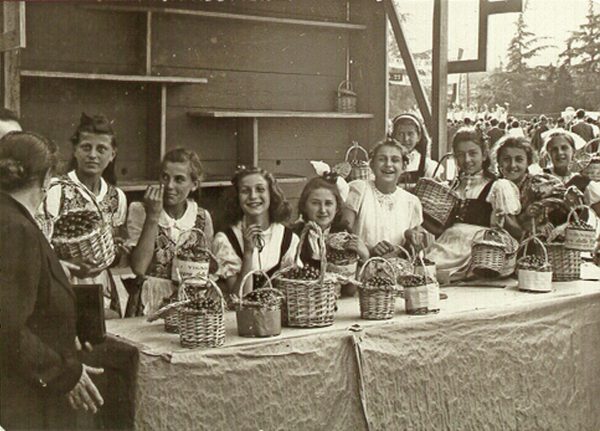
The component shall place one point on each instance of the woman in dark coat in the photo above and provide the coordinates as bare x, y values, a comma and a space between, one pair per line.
42, 379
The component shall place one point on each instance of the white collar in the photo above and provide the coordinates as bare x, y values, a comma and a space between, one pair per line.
186, 221
103, 186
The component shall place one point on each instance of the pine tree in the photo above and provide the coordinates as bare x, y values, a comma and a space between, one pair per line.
523, 46
583, 46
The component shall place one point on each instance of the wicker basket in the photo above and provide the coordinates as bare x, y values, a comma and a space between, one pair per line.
592, 168
360, 169
96, 247
566, 264
577, 238
491, 252
202, 328
346, 97
308, 303
172, 322
258, 320
377, 302
401, 266
437, 198
535, 280
346, 272
194, 269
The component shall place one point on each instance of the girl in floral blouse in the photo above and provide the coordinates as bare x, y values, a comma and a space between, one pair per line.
155, 225
92, 168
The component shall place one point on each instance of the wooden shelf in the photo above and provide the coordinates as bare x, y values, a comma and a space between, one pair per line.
335, 25
110, 77
211, 181
223, 113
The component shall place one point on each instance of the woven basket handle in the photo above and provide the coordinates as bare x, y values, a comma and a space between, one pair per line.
80, 188
182, 296
378, 259
249, 274
407, 253
539, 242
589, 146
356, 147
444, 157
573, 211
322, 248
345, 85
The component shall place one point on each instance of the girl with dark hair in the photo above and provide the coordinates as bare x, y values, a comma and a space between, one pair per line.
154, 226
256, 238
485, 201
92, 168
321, 203
382, 214
412, 135
42, 377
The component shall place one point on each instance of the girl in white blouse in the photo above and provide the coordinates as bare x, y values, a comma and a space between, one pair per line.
256, 238
382, 214
154, 226
485, 201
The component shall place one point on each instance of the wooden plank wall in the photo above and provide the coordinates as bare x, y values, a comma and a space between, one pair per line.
249, 65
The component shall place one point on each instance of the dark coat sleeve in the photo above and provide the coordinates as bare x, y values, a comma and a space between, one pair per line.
21, 262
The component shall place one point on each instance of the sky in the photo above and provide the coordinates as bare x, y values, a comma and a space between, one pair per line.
552, 18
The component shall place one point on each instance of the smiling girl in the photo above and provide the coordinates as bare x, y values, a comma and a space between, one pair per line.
256, 239
92, 167
382, 214
154, 226
412, 135
485, 201
561, 145
321, 203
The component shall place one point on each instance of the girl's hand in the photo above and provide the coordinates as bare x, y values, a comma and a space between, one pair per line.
382, 248
251, 233
153, 200
416, 237
357, 245
497, 219
85, 394
81, 269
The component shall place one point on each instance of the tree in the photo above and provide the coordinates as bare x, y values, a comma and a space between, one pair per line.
583, 46
523, 46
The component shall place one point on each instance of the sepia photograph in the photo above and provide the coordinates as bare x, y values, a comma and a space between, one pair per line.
274, 215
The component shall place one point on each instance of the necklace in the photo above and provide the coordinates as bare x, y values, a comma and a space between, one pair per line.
385, 200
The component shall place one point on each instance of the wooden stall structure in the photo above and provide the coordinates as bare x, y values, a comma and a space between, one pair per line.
239, 82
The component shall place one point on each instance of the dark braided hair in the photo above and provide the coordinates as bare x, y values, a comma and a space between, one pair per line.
479, 138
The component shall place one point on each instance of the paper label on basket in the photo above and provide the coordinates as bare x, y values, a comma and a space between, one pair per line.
345, 270
416, 297
192, 271
433, 296
582, 240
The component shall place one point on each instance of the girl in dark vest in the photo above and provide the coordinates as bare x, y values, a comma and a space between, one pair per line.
154, 226
256, 237
485, 201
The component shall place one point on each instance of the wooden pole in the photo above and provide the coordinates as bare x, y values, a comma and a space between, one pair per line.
439, 79
14, 30
409, 63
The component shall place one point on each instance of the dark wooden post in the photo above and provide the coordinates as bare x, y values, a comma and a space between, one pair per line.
11, 40
439, 78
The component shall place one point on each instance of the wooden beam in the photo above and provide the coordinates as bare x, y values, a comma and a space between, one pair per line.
439, 78
238, 113
407, 58
14, 28
112, 77
163, 120
233, 16
247, 141
148, 47
486, 8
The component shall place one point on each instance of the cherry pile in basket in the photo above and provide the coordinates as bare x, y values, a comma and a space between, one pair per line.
305, 273
76, 223
534, 263
413, 280
264, 297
